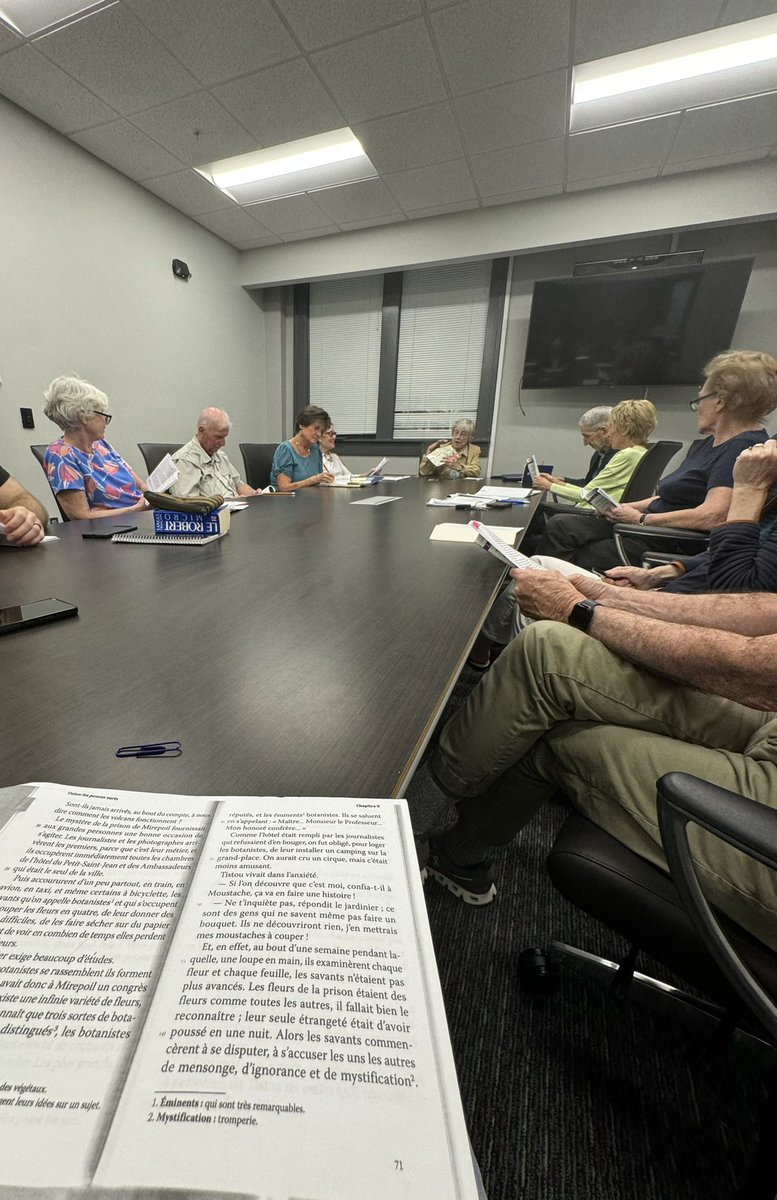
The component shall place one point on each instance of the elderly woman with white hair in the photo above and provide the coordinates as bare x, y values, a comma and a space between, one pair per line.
454, 457
89, 478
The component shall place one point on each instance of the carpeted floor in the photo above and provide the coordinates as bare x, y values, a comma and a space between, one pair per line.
579, 1097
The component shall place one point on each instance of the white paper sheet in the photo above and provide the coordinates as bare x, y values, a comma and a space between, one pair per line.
163, 476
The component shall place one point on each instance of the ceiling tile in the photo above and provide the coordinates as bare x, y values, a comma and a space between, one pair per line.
530, 110
232, 224
382, 73
116, 57
256, 243
515, 169
414, 139
368, 224
281, 104
582, 185
428, 187
126, 148
357, 201
196, 129
40, 87
745, 10
218, 39
303, 235
440, 210
320, 24
499, 40
605, 27
726, 128
624, 148
8, 39
517, 197
291, 215
714, 161
188, 192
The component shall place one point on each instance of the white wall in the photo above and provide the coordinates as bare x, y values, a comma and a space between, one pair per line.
86, 285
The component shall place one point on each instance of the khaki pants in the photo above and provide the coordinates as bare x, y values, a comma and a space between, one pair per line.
558, 709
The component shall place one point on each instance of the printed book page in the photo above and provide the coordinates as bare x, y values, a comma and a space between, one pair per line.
249, 1000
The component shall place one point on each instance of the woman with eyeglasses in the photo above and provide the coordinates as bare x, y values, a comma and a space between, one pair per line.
332, 462
88, 477
738, 393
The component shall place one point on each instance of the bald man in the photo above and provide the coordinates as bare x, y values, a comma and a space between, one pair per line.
203, 466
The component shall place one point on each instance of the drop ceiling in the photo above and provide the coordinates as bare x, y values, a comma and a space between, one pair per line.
460, 104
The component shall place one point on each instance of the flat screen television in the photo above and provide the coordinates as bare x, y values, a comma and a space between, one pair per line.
635, 329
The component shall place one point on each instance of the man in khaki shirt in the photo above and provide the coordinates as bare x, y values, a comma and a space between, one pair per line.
204, 468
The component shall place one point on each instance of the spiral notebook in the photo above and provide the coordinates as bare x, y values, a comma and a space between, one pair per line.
166, 539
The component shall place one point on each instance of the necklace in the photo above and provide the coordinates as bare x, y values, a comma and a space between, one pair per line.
303, 450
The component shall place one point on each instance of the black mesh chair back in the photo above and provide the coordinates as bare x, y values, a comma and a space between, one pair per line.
649, 470
257, 460
39, 452
154, 452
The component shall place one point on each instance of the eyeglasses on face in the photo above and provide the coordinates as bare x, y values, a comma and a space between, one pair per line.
330, 433
107, 417
694, 404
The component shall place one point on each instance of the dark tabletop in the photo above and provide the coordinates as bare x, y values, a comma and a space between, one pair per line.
309, 652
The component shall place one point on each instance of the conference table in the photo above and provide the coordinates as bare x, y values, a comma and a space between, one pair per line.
308, 652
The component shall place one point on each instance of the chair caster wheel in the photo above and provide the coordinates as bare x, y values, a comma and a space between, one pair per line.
538, 975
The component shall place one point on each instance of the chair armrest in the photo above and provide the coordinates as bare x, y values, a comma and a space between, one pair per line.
666, 533
743, 823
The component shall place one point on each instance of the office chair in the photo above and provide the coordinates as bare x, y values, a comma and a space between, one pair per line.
667, 917
154, 452
257, 460
39, 452
643, 479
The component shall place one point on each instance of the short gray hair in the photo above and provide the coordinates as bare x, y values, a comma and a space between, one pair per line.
70, 400
466, 424
213, 416
596, 418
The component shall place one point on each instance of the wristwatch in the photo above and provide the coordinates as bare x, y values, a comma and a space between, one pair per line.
582, 614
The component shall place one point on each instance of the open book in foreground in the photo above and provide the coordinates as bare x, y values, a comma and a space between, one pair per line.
222, 995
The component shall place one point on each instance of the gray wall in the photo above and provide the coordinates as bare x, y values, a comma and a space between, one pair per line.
86, 286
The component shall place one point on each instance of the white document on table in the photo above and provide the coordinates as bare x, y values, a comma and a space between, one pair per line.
163, 476
504, 493
450, 531
377, 500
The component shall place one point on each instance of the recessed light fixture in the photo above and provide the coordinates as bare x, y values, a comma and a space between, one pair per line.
307, 165
741, 45
28, 17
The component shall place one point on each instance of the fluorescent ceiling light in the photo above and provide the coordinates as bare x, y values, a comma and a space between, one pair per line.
28, 17
717, 50
307, 165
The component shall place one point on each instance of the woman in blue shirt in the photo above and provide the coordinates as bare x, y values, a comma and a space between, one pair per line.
298, 462
88, 477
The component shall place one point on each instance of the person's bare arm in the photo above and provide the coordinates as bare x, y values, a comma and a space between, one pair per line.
752, 614
287, 484
245, 489
13, 495
76, 507
712, 511
722, 663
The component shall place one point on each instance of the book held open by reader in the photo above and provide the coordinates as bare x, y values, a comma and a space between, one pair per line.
232, 995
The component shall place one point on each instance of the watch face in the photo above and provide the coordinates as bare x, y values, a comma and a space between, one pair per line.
582, 614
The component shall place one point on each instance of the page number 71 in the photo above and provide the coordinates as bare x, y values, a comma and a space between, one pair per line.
398, 1164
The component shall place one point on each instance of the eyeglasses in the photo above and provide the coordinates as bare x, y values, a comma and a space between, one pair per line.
330, 433
694, 404
107, 417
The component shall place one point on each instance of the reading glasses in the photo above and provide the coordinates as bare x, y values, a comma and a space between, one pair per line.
694, 404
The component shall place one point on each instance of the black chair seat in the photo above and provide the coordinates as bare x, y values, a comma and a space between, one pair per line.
602, 877
154, 452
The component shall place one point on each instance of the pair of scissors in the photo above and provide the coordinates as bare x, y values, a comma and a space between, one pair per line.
150, 750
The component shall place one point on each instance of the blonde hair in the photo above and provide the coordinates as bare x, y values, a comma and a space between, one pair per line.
746, 380
635, 419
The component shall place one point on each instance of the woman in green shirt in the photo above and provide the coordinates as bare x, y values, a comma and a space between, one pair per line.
631, 424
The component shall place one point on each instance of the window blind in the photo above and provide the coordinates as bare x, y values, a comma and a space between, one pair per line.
441, 336
345, 328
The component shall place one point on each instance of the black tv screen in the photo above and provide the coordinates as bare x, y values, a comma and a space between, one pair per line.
635, 329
